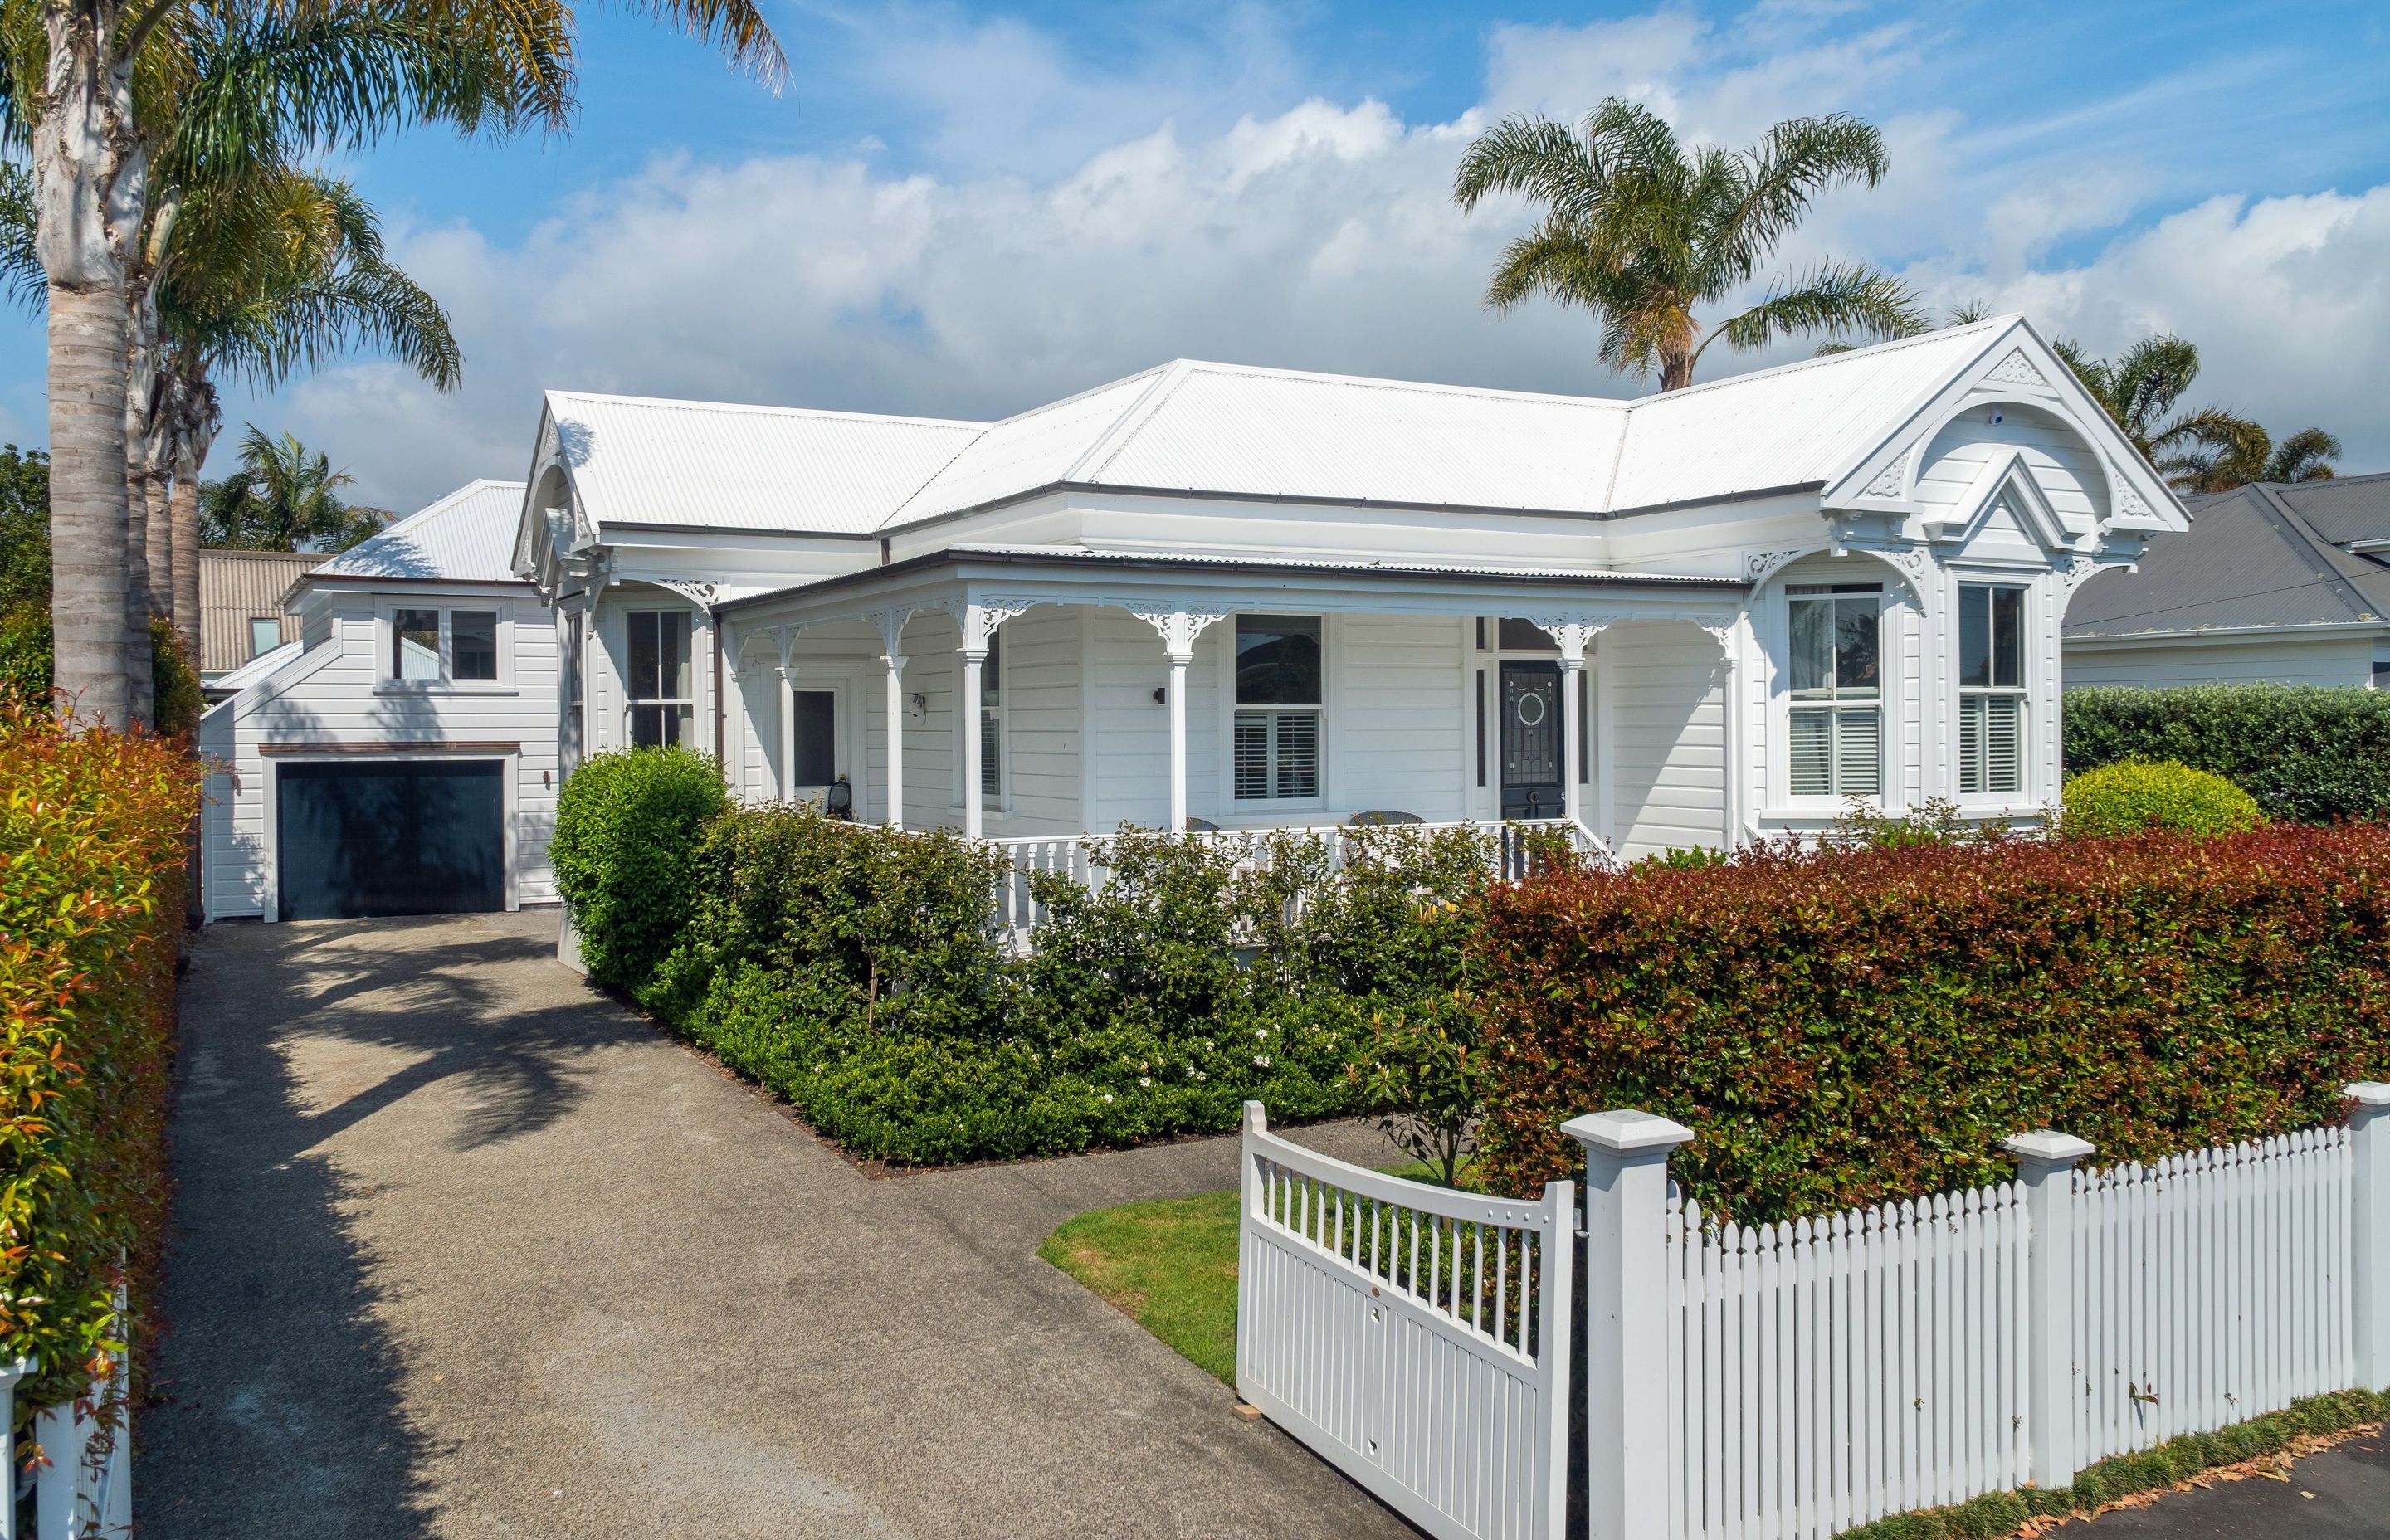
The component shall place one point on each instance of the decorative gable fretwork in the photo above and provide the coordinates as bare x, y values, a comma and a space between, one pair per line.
2016, 369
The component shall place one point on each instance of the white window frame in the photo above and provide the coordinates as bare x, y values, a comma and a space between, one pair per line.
999, 800
1809, 804
1322, 712
2020, 692
256, 648
631, 702
386, 614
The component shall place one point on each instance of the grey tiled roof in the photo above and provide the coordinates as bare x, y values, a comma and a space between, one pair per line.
2263, 555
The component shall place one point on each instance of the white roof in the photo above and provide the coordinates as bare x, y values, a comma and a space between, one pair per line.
467, 536
255, 668
1231, 429
634, 459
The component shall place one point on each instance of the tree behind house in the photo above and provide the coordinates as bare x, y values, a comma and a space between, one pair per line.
284, 497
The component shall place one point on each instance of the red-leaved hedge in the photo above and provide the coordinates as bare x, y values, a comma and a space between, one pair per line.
1845, 1027
91, 914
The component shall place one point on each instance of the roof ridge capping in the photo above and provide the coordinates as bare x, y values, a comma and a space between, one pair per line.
557, 394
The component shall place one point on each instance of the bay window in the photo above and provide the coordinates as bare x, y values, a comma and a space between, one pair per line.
1835, 722
663, 694
1278, 708
1991, 689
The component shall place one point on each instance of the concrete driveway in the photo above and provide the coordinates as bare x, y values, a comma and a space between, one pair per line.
464, 1248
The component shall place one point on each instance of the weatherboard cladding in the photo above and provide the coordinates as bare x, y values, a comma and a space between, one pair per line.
2249, 559
467, 536
1226, 429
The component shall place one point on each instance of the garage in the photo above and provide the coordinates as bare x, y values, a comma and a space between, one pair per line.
390, 836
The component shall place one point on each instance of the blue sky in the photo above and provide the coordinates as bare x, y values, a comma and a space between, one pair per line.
966, 210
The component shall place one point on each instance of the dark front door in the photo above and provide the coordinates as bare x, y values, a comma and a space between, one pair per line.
391, 839
1531, 740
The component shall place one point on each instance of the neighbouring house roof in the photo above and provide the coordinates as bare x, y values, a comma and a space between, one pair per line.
1236, 430
467, 536
236, 587
234, 681
2261, 555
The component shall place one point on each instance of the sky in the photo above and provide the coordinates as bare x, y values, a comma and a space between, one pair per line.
964, 211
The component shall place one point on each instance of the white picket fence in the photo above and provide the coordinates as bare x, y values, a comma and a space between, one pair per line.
1512, 854
1789, 1382
1355, 1289
83, 1489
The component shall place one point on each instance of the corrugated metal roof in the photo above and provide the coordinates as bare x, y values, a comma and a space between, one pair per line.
236, 587
2249, 559
642, 461
1231, 429
467, 536
2345, 509
235, 680
1555, 573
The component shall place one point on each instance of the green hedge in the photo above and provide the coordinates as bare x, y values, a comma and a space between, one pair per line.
91, 909
2132, 796
2307, 752
1843, 1028
627, 828
859, 973
25, 662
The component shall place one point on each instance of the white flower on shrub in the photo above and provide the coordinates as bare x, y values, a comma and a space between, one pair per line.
1260, 1032
1201, 1075
1107, 1095
1144, 1080
1261, 1061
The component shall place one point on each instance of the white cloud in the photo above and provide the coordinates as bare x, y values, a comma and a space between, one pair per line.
1315, 235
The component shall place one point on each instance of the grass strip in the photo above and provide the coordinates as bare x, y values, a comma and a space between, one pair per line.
2171, 1464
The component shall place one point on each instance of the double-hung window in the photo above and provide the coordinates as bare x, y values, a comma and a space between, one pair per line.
662, 696
1278, 708
1991, 689
427, 646
1836, 721
991, 720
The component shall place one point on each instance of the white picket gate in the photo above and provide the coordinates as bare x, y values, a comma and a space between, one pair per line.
1789, 1382
1416, 1337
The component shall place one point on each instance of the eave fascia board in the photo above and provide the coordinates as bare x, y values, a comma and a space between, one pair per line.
2325, 629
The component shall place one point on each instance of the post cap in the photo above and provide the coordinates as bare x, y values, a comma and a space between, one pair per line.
2367, 1093
2046, 1147
1627, 1132
1256, 1117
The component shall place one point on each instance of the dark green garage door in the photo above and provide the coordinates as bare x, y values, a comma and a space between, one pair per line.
392, 838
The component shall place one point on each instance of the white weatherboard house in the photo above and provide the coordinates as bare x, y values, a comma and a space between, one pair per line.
1254, 597
399, 756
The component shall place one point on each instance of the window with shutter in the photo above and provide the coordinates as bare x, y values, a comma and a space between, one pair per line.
1991, 690
1276, 742
1834, 744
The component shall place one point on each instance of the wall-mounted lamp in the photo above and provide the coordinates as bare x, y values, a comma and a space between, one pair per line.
920, 704
1160, 694
1995, 417
546, 778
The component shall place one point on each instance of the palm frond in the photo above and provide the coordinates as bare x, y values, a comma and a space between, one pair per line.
20, 264
1840, 300
1792, 164
1533, 156
2306, 456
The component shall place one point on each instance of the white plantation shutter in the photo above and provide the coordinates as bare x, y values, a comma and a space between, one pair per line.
1298, 754
2004, 743
1859, 752
1252, 755
991, 752
1971, 745
1813, 751
1277, 755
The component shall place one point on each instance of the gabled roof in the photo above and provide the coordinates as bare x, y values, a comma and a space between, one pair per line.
467, 536
2252, 558
1232, 430
255, 668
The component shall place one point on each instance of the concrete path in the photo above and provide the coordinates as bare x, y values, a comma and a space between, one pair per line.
464, 1249
2343, 1491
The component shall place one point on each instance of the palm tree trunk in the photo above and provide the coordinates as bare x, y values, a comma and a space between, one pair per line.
90, 178
1676, 368
192, 435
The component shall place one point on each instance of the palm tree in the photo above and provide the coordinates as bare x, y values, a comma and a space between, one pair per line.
2306, 456
2140, 392
284, 497
1641, 232
99, 92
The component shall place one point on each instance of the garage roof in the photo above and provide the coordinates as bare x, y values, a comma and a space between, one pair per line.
467, 536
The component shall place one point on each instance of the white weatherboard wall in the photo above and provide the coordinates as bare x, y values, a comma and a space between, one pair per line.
334, 697
1667, 735
2251, 660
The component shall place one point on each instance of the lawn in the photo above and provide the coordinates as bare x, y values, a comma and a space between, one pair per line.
1170, 1265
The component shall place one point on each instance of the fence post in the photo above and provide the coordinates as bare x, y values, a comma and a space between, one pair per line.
10, 1375
1626, 1320
2046, 1162
2369, 1149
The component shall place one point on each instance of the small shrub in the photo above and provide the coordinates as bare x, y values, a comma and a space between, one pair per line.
627, 826
2136, 795
2305, 752
1843, 1027
91, 907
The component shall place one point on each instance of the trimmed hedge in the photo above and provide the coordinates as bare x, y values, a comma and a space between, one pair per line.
2133, 796
859, 973
2309, 752
623, 852
91, 913
1848, 1027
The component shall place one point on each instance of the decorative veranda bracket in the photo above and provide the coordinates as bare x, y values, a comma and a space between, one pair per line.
1178, 625
978, 619
892, 632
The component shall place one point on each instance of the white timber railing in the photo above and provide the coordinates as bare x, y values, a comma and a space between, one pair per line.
82, 1488
1416, 1336
1795, 1380
1514, 847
